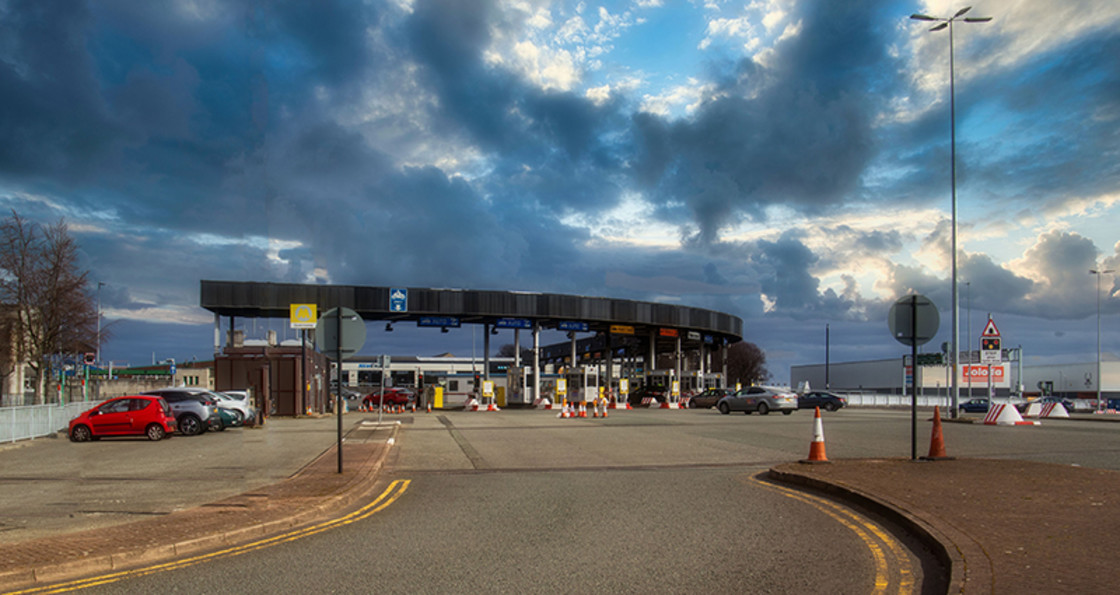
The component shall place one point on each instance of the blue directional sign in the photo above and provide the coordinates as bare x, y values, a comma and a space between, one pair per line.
443, 321
568, 325
398, 299
513, 323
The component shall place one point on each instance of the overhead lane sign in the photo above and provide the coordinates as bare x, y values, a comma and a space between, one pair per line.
444, 321
398, 299
513, 323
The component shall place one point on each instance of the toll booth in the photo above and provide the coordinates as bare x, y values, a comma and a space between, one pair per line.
583, 384
692, 383
713, 380
519, 385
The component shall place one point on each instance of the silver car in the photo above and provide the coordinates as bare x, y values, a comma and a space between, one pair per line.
762, 399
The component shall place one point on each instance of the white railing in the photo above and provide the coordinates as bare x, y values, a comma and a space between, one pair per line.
36, 421
876, 400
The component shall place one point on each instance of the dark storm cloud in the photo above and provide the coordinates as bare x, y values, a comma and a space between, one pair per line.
1025, 117
549, 146
52, 117
770, 138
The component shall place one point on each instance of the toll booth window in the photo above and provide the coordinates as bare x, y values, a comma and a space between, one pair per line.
453, 386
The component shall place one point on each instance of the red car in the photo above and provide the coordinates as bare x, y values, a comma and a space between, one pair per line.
137, 415
393, 396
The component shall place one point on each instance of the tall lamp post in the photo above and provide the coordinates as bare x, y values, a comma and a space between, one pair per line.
98, 358
1098, 273
944, 23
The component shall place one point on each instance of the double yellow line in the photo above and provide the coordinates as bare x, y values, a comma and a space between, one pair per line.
878, 541
390, 495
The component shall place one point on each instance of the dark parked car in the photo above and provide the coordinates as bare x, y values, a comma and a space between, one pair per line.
974, 406
124, 416
708, 398
194, 411
656, 393
824, 400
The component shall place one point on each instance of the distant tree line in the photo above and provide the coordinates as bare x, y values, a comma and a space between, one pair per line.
49, 313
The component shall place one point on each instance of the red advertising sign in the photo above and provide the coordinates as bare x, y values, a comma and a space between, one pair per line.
977, 375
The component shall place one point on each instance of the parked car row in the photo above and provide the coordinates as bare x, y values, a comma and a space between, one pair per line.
161, 412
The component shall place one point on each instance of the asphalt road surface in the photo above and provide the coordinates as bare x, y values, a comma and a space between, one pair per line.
645, 501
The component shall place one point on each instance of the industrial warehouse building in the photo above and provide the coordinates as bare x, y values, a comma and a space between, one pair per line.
892, 376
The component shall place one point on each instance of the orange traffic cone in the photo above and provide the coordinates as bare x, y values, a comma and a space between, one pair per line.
582, 410
604, 410
429, 406
936, 440
816, 447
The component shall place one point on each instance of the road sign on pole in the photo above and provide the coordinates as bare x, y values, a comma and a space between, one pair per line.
339, 334
990, 352
913, 321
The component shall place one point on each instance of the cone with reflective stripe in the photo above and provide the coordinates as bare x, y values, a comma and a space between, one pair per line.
936, 440
816, 447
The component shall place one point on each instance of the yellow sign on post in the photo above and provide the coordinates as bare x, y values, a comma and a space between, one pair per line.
562, 387
302, 316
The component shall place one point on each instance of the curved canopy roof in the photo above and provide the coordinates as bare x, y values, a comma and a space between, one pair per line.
273, 300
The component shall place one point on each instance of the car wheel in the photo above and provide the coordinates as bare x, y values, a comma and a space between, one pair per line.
239, 416
724, 409
787, 411
80, 434
692, 404
763, 408
831, 407
220, 426
190, 425
155, 432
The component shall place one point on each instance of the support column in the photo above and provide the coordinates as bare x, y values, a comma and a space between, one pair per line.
610, 365
217, 334
652, 361
680, 366
536, 360
486, 351
723, 349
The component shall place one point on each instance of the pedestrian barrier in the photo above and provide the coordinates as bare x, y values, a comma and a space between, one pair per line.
1054, 410
1005, 415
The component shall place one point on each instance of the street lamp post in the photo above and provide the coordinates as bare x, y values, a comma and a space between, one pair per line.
98, 358
1098, 273
942, 24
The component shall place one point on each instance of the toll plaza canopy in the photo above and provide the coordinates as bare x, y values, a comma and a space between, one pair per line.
451, 307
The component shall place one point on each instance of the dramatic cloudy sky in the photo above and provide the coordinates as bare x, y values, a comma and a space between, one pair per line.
786, 161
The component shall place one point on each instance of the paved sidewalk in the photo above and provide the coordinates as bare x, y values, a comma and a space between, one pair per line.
1001, 526
315, 492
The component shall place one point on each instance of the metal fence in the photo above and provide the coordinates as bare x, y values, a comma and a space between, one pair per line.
35, 421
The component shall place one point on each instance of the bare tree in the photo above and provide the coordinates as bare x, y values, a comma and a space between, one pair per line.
55, 315
746, 364
509, 350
